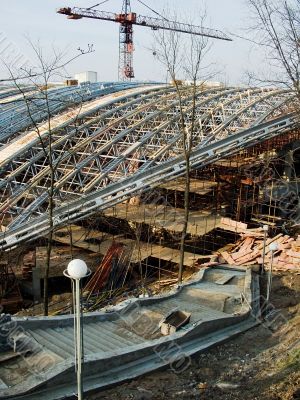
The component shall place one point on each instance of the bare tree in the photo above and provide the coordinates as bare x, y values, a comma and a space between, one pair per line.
184, 57
39, 77
276, 28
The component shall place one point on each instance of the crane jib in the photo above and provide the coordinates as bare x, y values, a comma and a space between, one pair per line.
126, 19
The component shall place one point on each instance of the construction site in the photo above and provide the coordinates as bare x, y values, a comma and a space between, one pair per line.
182, 200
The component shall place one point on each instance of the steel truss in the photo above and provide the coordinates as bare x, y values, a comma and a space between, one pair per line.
20, 108
121, 145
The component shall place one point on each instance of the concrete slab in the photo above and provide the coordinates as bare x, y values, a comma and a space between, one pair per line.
124, 341
86, 239
196, 186
169, 218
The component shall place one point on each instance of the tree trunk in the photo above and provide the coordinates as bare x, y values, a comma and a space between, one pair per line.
49, 244
186, 219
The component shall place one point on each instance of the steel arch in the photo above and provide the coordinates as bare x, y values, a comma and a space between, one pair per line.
120, 144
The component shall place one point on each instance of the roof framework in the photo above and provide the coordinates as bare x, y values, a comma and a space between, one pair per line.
120, 144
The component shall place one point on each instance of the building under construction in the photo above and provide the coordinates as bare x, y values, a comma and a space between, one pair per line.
117, 179
119, 171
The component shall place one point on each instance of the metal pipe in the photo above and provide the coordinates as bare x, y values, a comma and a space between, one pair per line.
78, 340
265, 229
77, 269
273, 247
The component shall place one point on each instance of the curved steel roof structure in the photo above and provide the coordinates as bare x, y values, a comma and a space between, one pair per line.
112, 147
23, 106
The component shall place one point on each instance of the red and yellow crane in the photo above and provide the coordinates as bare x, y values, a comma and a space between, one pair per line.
127, 19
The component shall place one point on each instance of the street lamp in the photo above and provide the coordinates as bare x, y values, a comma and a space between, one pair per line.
77, 269
265, 229
273, 247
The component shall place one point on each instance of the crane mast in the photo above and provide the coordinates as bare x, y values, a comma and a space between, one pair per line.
127, 19
126, 48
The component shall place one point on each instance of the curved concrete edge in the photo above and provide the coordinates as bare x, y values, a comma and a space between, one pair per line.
162, 352
7, 321
113, 313
157, 353
176, 356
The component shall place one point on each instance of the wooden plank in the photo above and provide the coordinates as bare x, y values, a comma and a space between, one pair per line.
269, 241
225, 279
248, 258
227, 257
241, 254
244, 249
293, 254
279, 242
234, 224
251, 234
296, 245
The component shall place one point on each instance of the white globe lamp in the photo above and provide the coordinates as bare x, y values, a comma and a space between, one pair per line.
274, 246
77, 269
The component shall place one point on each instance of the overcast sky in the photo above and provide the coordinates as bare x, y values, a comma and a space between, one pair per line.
38, 20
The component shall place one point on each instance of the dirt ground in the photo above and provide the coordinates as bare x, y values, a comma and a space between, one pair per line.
263, 363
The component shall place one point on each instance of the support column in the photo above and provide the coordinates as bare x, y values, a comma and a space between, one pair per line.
36, 285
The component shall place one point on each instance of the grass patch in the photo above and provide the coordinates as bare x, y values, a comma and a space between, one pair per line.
291, 361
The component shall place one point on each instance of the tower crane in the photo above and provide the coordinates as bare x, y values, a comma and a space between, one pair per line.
127, 19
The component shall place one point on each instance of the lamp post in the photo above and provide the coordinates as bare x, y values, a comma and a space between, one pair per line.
265, 229
77, 269
273, 247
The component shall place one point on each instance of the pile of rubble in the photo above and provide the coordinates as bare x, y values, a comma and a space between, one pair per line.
249, 251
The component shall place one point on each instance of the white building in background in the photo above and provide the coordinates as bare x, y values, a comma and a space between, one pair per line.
87, 76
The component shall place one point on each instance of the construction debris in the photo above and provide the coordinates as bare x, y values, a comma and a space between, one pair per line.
28, 264
10, 296
111, 273
174, 321
101, 243
60, 257
249, 251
